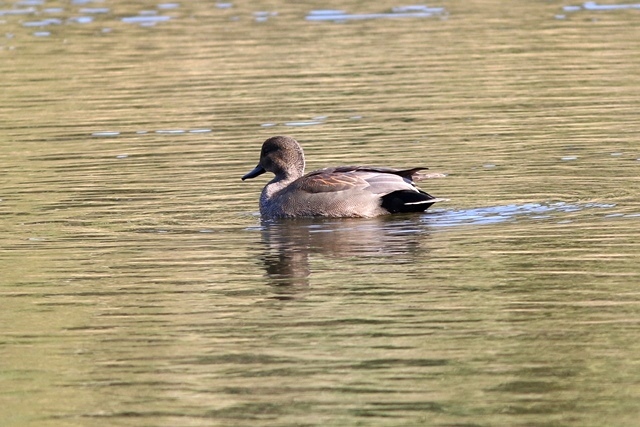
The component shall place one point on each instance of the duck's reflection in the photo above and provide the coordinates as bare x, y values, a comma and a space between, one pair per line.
289, 244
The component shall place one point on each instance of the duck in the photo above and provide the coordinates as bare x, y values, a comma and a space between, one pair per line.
333, 192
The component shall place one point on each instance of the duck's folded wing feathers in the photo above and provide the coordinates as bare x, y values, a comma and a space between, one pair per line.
330, 180
374, 179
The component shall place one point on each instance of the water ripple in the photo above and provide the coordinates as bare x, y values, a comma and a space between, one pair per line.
416, 11
499, 214
592, 5
145, 20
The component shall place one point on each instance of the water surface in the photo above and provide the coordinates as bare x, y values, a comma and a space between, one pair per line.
140, 286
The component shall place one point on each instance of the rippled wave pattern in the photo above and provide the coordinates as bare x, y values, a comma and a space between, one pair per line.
140, 286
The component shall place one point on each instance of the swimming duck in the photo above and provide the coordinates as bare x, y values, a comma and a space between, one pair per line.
343, 191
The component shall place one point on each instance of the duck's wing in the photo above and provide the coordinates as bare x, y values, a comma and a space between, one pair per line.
331, 180
373, 179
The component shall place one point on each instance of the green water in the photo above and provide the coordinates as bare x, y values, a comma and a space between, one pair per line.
139, 287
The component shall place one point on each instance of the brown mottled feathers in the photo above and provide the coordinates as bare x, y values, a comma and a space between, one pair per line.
349, 177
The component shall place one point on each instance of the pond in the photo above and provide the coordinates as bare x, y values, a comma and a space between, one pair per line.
141, 287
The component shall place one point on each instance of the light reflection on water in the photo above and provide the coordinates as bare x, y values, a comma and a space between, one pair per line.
592, 5
498, 214
70, 16
417, 11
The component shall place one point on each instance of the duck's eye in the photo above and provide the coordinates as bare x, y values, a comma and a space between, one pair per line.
268, 150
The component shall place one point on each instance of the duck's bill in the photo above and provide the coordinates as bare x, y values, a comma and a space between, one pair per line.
259, 170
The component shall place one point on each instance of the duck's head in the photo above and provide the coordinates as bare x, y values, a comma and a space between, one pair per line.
281, 155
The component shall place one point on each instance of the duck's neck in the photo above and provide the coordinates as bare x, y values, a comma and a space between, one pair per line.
280, 182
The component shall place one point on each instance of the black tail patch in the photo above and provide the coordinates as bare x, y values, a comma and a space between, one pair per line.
407, 201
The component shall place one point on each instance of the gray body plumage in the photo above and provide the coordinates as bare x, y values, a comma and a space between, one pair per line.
344, 191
